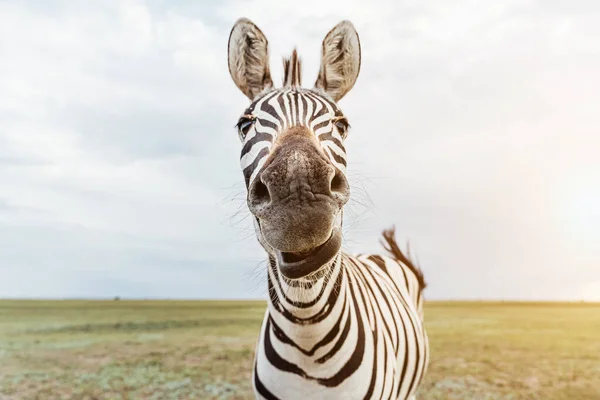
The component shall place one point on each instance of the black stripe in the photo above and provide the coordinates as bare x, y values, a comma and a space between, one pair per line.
357, 356
321, 125
379, 261
259, 137
250, 168
323, 312
406, 308
280, 334
384, 297
412, 381
374, 368
276, 360
260, 388
405, 362
299, 304
291, 97
347, 370
329, 136
263, 100
376, 309
325, 100
337, 158
266, 123
338, 344
269, 109
314, 108
305, 115
318, 99
285, 117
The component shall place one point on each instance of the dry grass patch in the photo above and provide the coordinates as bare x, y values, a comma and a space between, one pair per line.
190, 350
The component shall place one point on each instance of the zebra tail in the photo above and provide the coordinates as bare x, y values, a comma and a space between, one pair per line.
392, 247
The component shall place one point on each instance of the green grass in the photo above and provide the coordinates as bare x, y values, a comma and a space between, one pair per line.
204, 350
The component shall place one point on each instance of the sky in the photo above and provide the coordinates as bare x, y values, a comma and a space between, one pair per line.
475, 131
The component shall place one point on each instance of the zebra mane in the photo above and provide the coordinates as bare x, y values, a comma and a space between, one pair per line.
292, 71
392, 247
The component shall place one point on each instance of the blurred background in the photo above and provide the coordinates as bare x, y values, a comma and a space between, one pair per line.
475, 131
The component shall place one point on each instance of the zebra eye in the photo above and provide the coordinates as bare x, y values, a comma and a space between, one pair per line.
244, 125
342, 125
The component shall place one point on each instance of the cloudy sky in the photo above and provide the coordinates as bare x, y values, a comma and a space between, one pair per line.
476, 132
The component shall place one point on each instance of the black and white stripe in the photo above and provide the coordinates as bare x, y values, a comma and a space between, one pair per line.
279, 110
353, 329
350, 327
354, 332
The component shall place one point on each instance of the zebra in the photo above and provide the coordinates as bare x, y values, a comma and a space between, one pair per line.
336, 326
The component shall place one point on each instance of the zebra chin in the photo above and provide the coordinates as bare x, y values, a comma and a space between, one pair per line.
299, 265
297, 254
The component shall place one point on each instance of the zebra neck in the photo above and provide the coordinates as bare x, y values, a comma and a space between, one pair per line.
305, 319
303, 302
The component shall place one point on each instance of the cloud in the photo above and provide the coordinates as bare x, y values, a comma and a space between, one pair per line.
119, 167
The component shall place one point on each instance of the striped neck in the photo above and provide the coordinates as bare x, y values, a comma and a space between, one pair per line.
305, 301
308, 324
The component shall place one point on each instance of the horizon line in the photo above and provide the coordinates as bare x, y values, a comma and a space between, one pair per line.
256, 299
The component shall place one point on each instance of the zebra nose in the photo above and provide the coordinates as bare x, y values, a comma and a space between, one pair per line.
339, 188
259, 195
267, 187
298, 173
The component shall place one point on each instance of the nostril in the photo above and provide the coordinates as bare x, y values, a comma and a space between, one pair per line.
338, 183
260, 193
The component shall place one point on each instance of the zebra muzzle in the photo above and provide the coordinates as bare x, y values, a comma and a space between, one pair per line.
298, 265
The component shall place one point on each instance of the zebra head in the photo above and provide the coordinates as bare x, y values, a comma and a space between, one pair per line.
293, 158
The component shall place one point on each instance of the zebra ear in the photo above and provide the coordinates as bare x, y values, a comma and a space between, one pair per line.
340, 61
248, 58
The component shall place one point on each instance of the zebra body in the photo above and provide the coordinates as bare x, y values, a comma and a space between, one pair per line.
337, 326
357, 334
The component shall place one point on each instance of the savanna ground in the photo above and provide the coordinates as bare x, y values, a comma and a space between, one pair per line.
204, 350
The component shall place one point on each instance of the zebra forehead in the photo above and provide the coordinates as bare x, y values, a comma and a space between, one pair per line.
294, 95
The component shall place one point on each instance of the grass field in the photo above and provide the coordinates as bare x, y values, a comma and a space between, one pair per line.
204, 350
